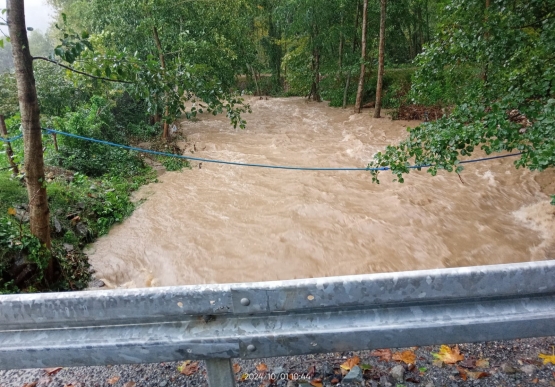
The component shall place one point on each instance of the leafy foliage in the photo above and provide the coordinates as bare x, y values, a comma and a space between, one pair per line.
502, 63
8, 95
95, 120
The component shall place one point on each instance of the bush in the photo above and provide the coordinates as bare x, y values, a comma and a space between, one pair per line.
96, 120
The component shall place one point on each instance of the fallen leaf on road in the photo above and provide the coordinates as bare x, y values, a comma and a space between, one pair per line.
350, 363
547, 358
52, 371
482, 363
448, 355
477, 375
129, 384
188, 368
317, 383
407, 357
236, 368
468, 363
462, 373
334, 381
262, 367
473, 375
113, 380
34, 384
383, 354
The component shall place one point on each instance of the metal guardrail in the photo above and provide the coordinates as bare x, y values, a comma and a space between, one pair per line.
254, 320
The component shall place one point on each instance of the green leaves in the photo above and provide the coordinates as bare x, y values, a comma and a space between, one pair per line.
499, 75
72, 44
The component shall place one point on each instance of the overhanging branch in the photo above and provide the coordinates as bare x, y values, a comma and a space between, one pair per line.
79, 72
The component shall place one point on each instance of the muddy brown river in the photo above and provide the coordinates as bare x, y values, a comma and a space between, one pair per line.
221, 223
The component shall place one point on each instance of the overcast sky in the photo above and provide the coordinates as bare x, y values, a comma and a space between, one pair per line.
38, 14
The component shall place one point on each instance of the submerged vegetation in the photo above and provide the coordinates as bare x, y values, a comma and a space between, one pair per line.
126, 71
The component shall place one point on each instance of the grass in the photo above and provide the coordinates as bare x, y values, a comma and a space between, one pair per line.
12, 192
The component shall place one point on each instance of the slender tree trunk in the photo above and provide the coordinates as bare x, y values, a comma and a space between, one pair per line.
360, 90
379, 87
341, 43
356, 27
411, 43
255, 81
275, 53
9, 150
315, 89
427, 21
39, 218
486, 37
166, 126
347, 84
420, 29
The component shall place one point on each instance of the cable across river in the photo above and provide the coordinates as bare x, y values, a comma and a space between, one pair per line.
200, 159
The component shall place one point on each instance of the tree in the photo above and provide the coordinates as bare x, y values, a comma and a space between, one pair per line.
513, 110
379, 87
358, 103
39, 219
172, 54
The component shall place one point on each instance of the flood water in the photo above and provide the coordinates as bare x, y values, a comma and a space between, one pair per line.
221, 223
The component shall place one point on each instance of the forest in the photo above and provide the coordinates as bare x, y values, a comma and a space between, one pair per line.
478, 74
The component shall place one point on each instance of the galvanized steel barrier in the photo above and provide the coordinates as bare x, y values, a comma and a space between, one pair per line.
254, 320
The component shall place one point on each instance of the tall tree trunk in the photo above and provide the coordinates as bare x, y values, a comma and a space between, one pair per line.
9, 150
255, 80
39, 218
420, 30
341, 44
166, 126
360, 90
427, 21
379, 87
347, 84
356, 27
275, 52
486, 38
315, 89
412, 54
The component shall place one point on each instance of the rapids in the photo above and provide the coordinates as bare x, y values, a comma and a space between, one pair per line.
220, 223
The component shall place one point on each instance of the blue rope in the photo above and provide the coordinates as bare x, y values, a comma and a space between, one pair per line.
131, 148
8, 140
210, 160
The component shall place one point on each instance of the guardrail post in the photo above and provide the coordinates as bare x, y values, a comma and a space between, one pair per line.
220, 373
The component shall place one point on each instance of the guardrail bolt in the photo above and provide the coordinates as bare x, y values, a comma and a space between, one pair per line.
245, 301
251, 348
